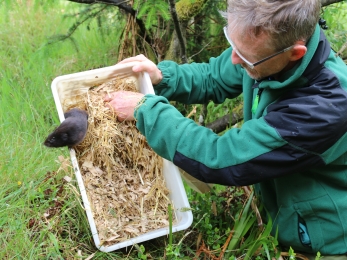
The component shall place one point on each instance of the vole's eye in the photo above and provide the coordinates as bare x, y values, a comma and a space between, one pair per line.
53, 138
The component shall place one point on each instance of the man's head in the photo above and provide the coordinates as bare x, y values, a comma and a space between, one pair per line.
261, 28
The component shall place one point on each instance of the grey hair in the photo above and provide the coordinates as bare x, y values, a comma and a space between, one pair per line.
286, 21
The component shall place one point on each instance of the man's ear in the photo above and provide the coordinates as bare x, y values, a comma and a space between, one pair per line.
298, 51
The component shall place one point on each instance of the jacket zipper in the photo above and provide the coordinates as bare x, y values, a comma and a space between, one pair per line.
256, 101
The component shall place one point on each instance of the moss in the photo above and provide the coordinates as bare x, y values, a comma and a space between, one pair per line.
187, 9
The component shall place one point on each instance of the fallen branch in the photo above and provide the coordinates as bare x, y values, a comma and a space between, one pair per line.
224, 122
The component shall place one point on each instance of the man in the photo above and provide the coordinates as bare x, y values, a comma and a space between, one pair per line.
293, 143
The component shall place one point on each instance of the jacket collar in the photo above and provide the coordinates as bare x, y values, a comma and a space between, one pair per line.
318, 49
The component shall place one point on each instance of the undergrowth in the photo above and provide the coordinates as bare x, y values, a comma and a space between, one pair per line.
41, 213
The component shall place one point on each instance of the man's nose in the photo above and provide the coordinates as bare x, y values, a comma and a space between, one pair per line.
235, 59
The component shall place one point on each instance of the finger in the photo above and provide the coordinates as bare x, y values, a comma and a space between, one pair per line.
109, 106
143, 66
108, 97
127, 60
140, 58
121, 117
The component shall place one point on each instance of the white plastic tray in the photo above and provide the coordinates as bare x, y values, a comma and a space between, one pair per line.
75, 84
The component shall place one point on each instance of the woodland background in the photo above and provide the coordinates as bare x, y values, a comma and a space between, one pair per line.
41, 215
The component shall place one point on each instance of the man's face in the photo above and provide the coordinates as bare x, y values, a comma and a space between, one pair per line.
255, 49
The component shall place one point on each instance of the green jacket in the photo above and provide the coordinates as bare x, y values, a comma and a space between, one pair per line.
294, 145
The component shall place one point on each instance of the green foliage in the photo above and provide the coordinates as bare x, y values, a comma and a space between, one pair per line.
150, 10
187, 9
227, 210
218, 110
169, 249
41, 216
141, 252
214, 211
336, 18
103, 18
28, 114
205, 38
292, 255
84, 16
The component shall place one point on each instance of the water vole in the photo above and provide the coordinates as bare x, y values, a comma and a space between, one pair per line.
71, 131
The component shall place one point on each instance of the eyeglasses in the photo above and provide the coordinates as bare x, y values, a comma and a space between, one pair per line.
250, 64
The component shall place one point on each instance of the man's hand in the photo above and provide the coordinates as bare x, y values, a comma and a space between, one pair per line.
146, 65
123, 103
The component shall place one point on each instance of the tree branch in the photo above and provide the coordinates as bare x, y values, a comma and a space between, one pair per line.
120, 3
222, 123
329, 2
125, 7
178, 31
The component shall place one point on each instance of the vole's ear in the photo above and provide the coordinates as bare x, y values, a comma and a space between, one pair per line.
64, 136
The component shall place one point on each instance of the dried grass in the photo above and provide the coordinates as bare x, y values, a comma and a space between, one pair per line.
122, 174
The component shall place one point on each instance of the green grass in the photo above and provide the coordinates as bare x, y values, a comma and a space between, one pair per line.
28, 66
336, 18
41, 216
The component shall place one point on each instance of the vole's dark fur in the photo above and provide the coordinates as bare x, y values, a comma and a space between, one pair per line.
71, 131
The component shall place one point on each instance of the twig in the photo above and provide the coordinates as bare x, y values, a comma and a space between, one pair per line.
192, 112
204, 249
296, 255
344, 46
254, 206
200, 50
178, 31
226, 244
122, 4
203, 114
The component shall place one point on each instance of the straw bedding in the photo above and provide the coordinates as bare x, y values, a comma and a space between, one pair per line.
122, 175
